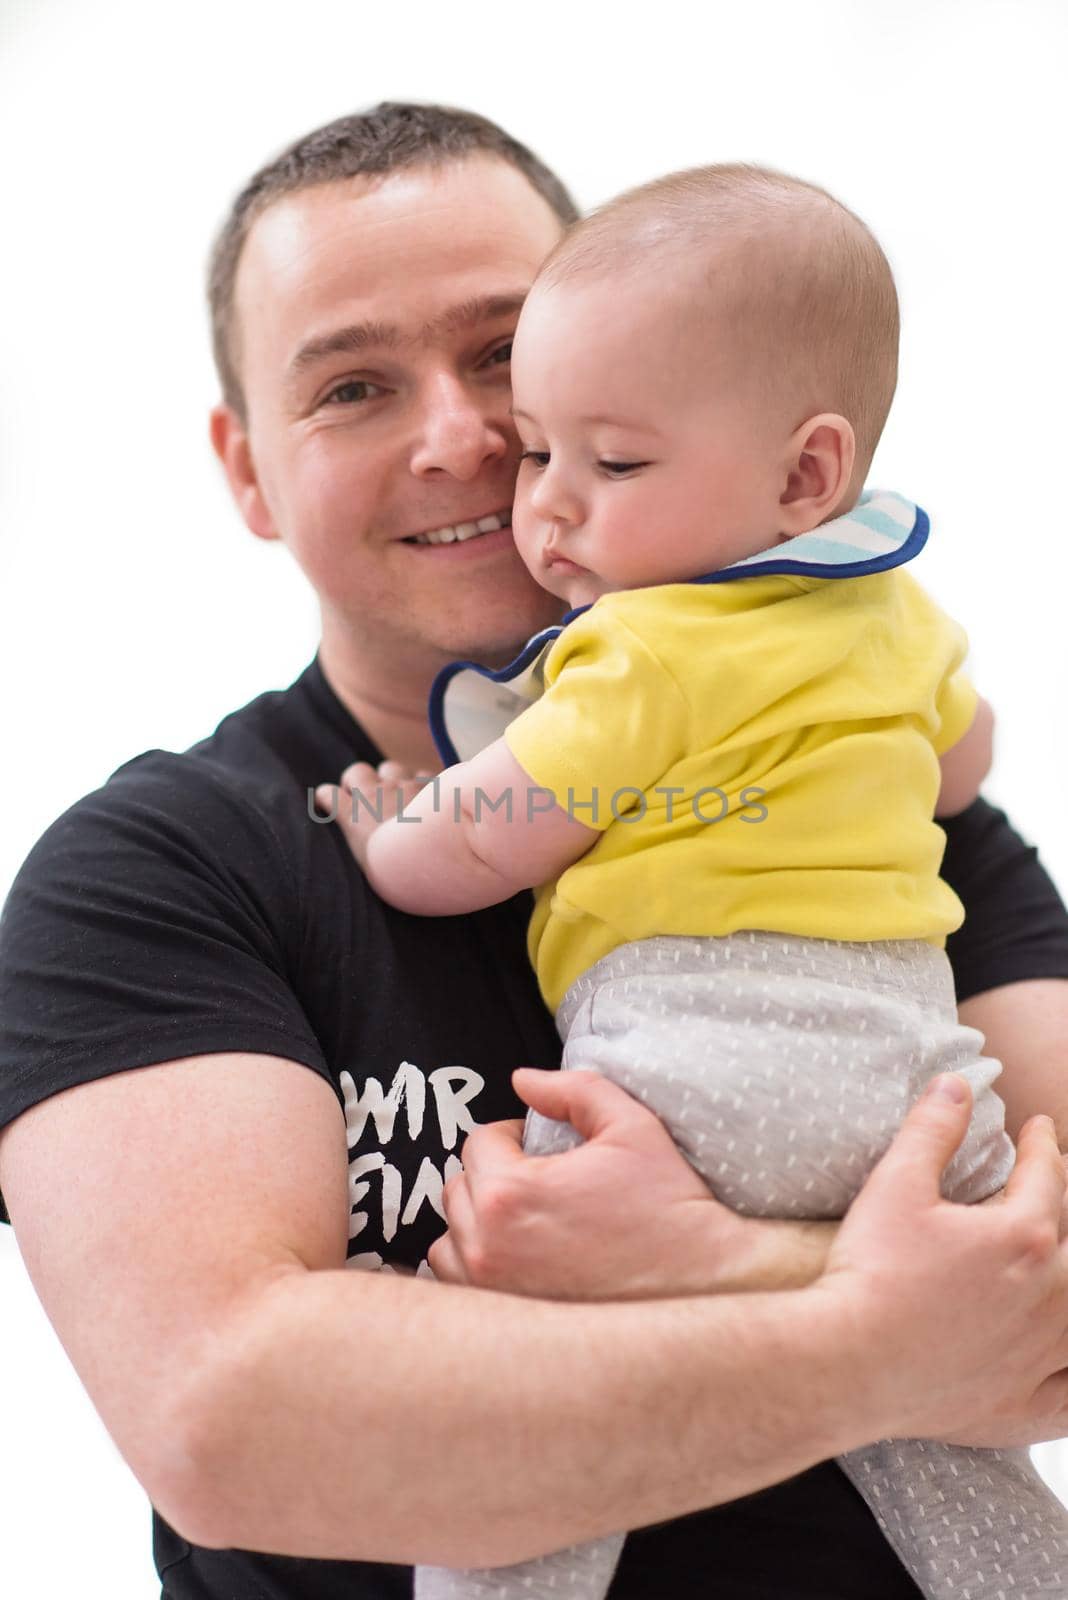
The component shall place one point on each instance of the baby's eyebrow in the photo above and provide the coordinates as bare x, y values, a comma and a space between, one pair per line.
631, 424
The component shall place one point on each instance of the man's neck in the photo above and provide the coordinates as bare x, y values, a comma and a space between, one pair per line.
392, 711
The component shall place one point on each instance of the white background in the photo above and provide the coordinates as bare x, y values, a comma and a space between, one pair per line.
135, 610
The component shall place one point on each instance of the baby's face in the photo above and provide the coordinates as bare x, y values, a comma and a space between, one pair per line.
642, 462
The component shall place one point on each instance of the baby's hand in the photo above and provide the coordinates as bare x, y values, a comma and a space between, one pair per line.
368, 797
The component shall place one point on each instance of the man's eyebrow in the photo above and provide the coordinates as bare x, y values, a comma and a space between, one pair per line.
360, 336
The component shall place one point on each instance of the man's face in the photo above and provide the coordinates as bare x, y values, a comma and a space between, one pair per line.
374, 334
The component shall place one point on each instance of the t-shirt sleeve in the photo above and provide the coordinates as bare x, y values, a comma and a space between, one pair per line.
931, 646
1015, 924
611, 721
956, 704
152, 921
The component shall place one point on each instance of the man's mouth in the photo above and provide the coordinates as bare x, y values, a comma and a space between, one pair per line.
461, 532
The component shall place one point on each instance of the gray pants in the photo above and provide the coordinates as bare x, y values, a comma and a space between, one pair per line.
782, 1068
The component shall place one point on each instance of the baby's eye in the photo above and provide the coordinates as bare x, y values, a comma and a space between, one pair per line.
618, 468
352, 392
539, 457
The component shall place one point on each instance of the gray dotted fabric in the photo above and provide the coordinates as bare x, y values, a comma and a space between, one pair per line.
579, 1573
968, 1524
783, 1067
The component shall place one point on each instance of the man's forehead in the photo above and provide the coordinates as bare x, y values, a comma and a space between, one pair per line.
389, 237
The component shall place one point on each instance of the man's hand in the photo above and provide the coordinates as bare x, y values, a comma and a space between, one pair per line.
366, 797
622, 1216
994, 1276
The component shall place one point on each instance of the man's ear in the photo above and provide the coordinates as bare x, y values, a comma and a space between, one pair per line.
819, 465
230, 441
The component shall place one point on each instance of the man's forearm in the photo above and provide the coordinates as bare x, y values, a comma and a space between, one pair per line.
1026, 1028
355, 1416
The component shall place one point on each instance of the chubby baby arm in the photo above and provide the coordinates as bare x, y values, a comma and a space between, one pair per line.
471, 837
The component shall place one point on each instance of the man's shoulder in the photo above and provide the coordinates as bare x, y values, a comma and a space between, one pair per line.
227, 779
237, 797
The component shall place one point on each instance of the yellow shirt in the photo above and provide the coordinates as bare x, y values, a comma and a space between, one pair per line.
832, 696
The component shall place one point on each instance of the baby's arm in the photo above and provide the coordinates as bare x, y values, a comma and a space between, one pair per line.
965, 764
477, 834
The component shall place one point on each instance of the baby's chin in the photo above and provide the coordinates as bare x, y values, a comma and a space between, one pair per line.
584, 591
573, 587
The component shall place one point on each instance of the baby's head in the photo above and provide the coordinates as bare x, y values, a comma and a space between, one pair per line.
701, 371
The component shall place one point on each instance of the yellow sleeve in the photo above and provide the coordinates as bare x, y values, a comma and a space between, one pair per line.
611, 722
937, 647
956, 704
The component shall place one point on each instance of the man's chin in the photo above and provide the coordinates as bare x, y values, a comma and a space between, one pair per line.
500, 640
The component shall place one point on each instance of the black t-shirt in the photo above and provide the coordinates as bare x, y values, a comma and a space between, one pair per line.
192, 906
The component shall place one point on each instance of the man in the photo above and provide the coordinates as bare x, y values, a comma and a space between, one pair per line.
227, 1068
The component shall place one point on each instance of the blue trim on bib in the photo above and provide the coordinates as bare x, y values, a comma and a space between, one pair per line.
530, 653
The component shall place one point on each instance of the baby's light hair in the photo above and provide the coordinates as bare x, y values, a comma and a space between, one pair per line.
799, 280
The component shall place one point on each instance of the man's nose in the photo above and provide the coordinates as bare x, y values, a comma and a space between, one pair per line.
458, 432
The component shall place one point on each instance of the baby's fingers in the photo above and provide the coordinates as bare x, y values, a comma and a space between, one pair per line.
362, 776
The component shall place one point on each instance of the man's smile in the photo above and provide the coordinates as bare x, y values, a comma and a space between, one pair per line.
463, 532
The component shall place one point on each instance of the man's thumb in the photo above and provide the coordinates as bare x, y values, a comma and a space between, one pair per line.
928, 1138
590, 1102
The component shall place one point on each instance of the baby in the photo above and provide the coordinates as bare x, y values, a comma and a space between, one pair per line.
726, 763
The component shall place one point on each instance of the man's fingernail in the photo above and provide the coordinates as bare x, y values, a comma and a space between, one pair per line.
948, 1087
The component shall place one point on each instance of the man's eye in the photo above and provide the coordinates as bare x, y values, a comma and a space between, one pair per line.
540, 458
618, 468
501, 356
352, 391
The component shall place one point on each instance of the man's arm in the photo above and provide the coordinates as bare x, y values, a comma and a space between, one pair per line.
526, 1227
1026, 1029
185, 1228
1009, 962
965, 764
523, 1227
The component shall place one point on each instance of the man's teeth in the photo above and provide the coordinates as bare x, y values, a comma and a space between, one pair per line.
462, 531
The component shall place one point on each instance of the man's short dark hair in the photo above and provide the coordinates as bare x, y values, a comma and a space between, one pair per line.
386, 139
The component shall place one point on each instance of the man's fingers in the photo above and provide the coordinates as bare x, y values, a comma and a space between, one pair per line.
491, 1146
926, 1141
1037, 1179
444, 1261
589, 1102
462, 1225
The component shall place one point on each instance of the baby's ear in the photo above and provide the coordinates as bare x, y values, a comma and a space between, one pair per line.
818, 466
